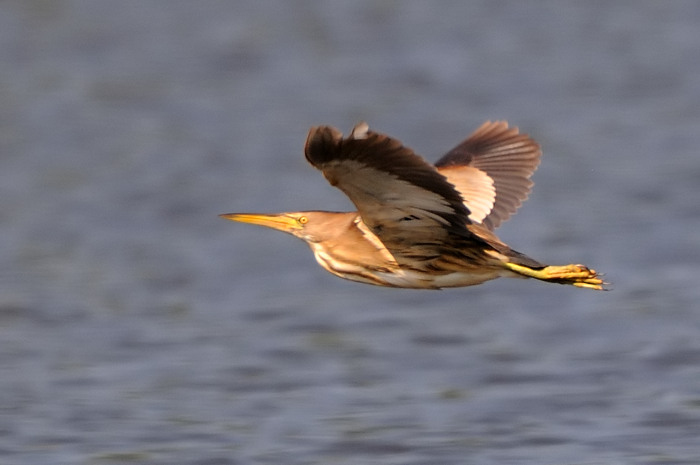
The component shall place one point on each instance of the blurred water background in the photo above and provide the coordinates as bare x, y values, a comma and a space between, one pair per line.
137, 327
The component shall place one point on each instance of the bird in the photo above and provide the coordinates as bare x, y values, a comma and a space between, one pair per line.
419, 225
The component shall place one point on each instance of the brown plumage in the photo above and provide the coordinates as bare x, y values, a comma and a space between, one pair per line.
419, 225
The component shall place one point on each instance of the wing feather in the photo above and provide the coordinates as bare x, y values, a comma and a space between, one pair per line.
499, 153
403, 199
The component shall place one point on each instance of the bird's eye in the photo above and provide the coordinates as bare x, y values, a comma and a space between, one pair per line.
303, 220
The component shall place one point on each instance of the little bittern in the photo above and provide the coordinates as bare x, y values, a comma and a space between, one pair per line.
418, 225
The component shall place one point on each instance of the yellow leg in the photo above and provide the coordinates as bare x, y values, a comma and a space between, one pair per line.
576, 275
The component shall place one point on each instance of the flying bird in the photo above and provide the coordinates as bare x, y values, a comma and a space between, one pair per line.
419, 225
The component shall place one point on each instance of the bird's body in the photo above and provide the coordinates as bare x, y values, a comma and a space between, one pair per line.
435, 273
418, 225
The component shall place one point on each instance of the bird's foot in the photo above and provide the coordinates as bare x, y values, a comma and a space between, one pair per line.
575, 275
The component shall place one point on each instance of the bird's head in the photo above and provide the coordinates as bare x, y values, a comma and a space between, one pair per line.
310, 226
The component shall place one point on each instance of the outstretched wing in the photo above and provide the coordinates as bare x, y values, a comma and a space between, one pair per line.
405, 202
491, 170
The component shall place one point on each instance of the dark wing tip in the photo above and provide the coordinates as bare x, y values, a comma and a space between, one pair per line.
321, 144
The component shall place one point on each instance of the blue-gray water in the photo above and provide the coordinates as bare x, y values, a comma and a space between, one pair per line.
137, 327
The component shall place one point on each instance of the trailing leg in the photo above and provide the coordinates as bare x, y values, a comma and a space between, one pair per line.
575, 275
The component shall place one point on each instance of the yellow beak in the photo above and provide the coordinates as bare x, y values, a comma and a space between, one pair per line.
280, 222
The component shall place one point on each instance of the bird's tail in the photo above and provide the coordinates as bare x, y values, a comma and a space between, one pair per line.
575, 275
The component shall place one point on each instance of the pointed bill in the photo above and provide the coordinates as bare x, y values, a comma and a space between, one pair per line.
279, 222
